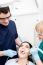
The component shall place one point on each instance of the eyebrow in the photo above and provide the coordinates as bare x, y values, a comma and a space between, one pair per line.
22, 45
27, 46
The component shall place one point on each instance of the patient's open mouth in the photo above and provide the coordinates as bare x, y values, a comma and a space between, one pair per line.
22, 52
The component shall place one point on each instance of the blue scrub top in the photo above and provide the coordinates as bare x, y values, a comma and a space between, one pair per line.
8, 34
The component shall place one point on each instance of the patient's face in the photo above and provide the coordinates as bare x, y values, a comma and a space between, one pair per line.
23, 51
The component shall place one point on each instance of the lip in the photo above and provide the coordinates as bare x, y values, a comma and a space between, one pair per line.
22, 52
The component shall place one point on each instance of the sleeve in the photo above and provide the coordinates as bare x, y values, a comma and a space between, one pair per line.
31, 63
13, 29
11, 62
8, 63
16, 34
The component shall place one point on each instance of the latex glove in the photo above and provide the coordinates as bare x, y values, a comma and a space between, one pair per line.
10, 53
34, 52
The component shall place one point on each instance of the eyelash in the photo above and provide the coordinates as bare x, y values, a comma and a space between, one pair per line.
27, 47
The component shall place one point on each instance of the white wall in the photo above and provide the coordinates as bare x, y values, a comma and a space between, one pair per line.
24, 7
25, 26
27, 15
26, 19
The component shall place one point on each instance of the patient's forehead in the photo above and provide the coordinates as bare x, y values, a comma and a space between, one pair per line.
25, 44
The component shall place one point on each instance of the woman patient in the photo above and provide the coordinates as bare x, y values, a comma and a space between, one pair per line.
23, 55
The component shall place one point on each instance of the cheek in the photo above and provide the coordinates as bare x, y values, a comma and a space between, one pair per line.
27, 51
1, 21
27, 54
41, 37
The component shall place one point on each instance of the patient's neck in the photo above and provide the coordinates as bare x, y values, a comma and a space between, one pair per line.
22, 61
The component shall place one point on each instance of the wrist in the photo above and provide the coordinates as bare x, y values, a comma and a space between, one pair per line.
36, 57
1, 53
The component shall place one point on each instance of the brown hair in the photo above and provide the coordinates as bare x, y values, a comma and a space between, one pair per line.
4, 10
28, 43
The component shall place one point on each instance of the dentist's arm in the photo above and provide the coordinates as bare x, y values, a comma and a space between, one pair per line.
38, 62
35, 55
8, 52
18, 41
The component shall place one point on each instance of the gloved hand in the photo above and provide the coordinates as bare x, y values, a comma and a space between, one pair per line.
34, 52
10, 53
